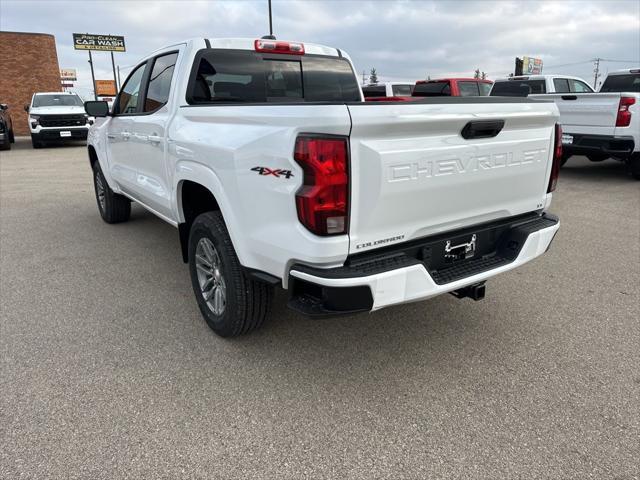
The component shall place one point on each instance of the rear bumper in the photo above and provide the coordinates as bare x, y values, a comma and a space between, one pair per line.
616, 147
414, 271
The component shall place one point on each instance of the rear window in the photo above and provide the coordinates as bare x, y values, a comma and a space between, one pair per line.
468, 89
518, 88
432, 89
401, 90
374, 91
622, 83
242, 76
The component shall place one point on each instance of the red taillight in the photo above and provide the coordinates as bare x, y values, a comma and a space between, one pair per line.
323, 199
557, 159
624, 115
274, 46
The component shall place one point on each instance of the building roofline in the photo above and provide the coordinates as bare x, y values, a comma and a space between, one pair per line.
29, 33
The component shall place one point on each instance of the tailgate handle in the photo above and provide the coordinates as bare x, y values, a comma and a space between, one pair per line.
482, 129
569, 97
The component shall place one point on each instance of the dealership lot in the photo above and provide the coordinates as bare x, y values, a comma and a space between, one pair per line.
109, 371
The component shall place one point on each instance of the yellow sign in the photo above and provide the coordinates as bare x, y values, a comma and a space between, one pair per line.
107, 43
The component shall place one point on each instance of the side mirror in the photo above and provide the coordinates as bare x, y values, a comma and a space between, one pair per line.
96, 108
26, 108
3, 106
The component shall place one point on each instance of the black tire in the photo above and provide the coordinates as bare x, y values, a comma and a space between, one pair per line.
597, 158
634, 166
247, 302
12, 137
37, 143
6, 146
113, 207
564, 159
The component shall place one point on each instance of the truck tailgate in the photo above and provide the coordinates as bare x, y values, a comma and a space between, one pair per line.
586, 112
413, 174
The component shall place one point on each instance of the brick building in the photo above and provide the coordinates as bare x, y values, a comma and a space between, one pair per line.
29, 63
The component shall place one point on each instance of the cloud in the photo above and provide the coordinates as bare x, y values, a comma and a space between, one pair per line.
403, 40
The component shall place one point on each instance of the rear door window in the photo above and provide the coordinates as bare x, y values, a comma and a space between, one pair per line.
468, 89
160, 82
243, 76
561, 85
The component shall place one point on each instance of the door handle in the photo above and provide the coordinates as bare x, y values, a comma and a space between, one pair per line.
111, 136
154, 138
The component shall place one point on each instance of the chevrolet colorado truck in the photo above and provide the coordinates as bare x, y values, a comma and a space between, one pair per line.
601, 125
56, 117
275, 172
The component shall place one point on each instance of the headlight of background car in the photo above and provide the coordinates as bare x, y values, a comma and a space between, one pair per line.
34, 120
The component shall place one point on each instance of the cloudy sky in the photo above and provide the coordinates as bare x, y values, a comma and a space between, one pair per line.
403, 40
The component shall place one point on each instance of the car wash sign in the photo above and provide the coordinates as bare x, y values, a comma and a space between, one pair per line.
105, 43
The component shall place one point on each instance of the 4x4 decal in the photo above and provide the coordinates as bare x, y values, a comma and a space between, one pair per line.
276, 172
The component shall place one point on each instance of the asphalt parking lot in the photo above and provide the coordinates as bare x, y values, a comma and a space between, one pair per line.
108, 370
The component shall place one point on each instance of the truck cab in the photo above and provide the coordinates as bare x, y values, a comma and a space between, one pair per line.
452, 87
524, 85
57, 116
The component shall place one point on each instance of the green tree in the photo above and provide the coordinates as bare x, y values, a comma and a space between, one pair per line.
373, 77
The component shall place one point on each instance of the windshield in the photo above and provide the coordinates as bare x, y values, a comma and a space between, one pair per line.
622, 83
54, 100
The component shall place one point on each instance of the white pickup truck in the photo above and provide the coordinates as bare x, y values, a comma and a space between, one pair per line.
598, 125
275, 171
56, 117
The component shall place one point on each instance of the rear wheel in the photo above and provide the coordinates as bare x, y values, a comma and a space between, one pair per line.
113, 208
634, 166
597, 158
231, 303
564, 159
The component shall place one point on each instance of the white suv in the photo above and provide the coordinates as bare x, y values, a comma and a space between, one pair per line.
56, 117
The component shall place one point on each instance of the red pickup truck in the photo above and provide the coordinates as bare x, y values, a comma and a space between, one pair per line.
452, 87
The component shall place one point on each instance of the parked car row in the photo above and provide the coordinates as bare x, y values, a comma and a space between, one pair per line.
442, 87
598, 125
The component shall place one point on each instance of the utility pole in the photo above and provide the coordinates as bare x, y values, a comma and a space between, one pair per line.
93, 77
596, 72
270, 21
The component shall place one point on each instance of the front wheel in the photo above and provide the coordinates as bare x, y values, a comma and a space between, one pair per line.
113, 208
231, 303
